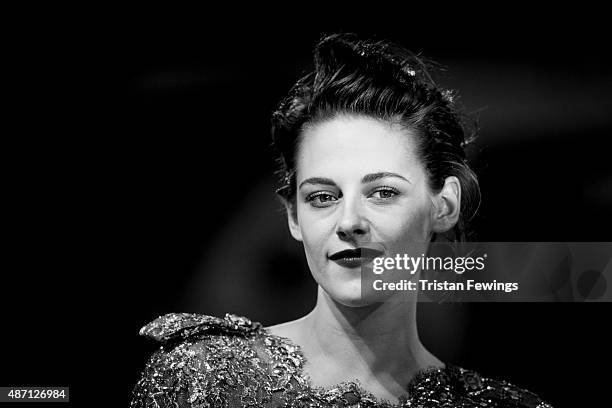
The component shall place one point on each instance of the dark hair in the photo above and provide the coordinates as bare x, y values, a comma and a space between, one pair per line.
382, 80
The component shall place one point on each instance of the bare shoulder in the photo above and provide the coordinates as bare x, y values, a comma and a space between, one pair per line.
288, 329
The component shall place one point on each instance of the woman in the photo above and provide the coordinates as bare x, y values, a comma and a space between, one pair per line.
372, 161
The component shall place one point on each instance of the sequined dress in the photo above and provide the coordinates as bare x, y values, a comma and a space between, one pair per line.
207, 361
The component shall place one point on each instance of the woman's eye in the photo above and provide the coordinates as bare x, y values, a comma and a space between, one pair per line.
320, 199
385, 193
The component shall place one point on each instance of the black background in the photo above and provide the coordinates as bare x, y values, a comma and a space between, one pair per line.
139, 182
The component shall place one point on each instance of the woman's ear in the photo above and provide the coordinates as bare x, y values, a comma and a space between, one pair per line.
294, 226
447, 206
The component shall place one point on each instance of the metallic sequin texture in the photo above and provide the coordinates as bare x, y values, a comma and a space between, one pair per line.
206, 361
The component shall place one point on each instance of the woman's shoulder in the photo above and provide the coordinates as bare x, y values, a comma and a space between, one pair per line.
233, 360
185, 326
486, 391
200, 357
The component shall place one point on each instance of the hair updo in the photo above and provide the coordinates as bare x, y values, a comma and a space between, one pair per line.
381, 80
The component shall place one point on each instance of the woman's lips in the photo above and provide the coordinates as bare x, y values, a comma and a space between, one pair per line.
355, 258
352, 262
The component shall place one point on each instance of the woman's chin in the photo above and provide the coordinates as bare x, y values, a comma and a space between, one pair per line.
343, 285
350, 295
355, 303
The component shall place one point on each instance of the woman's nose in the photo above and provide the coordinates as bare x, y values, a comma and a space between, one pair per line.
352, 223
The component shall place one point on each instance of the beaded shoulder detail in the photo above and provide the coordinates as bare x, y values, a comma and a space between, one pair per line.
232, 362
182, 326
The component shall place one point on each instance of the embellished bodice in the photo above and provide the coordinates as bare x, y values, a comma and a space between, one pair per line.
207, 361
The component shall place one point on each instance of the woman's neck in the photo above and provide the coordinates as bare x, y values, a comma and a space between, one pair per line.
377, 344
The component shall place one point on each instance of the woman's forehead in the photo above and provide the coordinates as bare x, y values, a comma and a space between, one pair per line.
356, 145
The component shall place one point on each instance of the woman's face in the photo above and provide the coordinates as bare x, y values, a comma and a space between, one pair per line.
359, 182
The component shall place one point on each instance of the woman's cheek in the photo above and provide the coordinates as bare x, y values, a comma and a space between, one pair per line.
410, 225
313, 238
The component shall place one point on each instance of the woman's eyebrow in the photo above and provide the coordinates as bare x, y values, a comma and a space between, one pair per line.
368, 178
318, 180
